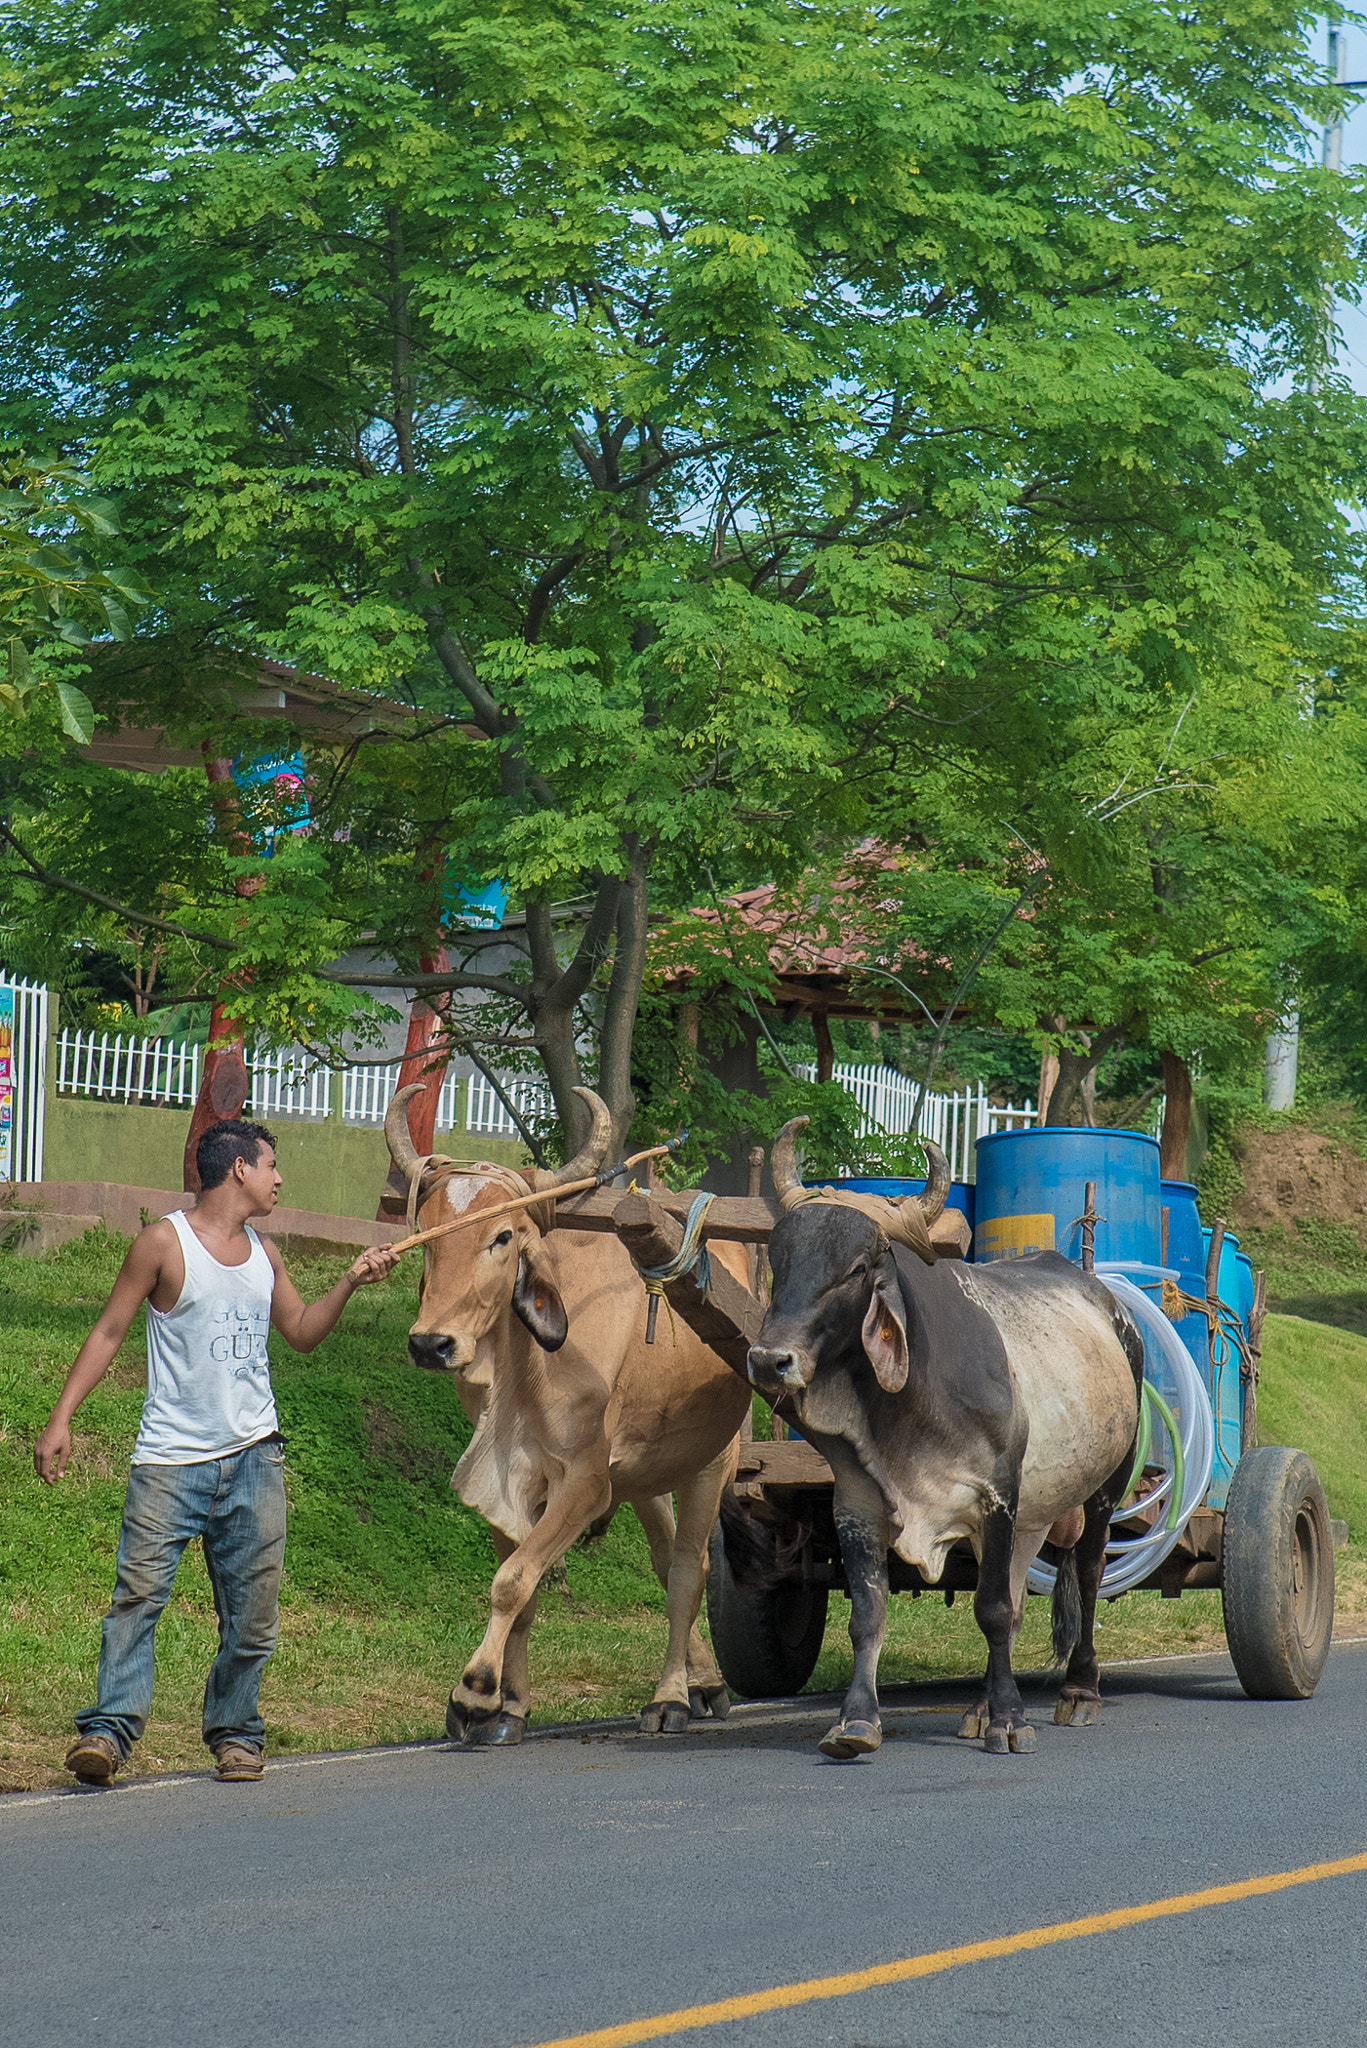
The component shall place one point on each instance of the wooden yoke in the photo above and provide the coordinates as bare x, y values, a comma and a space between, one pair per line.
736, 1219
727, 1317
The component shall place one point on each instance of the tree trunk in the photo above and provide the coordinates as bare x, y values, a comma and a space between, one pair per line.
554, 996
825, 1045
224, 1084
419, 1064
1176, 1117
1074, 1067
1048, 1081
624, 997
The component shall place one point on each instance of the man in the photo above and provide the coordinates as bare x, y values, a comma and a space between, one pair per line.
209, 1459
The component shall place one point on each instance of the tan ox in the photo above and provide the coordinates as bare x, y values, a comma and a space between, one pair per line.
573, 1414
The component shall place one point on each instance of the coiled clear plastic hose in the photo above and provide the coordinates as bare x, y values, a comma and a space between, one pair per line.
1171, 1371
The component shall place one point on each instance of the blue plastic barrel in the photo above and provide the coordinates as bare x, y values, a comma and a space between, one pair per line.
1032, 1188
1187, 1254
960, 1194
1185, 1250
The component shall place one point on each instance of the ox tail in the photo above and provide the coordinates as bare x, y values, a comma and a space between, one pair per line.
757, 1553
1066, 1611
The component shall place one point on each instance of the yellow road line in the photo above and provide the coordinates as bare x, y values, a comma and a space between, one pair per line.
909, 1967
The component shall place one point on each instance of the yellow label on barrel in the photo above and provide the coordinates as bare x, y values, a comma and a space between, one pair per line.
1013, 1237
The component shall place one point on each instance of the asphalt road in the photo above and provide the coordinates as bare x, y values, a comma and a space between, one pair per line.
593, 1878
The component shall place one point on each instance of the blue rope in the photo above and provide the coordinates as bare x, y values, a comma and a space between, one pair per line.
691, 1257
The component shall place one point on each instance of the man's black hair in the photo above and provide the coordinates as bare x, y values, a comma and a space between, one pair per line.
224, 1142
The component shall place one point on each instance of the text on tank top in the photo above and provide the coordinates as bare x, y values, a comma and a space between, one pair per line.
208, 1375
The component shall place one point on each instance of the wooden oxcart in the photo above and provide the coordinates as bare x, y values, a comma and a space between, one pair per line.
1268, 1549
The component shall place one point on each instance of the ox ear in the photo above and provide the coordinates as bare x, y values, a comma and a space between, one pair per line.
885, 1331
537, 1303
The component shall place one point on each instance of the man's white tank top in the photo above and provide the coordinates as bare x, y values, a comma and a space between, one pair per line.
208, 1377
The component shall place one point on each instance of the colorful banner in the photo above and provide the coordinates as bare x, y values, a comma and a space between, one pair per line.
477, 908
6, 1083
280, 780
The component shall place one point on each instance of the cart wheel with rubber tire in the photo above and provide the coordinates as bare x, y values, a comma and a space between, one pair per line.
1278, 1574
766, 1639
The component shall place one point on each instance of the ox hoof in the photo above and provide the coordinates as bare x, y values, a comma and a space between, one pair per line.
498, 1731
479, 1729
1077, 1710
849, 1739
709, 1699
664, 1717
457, 1719
1009, 1738
974, 1724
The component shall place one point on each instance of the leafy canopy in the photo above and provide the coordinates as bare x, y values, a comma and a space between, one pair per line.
755, 423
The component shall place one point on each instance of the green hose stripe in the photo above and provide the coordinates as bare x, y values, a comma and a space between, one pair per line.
1153, 1399
1179, 1467
1142, 1444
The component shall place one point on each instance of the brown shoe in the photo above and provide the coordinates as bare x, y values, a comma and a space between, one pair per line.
94, 1759
237, 1764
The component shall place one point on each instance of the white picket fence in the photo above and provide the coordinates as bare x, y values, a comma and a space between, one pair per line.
288, 1084
367, 1092
954, 1122
28, 1081
111, 1067
486, 1114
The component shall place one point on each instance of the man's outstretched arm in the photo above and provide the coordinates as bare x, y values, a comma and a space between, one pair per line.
304, 1325
138, 1275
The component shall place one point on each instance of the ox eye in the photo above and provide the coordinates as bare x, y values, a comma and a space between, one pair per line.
504, 1237
857, 1272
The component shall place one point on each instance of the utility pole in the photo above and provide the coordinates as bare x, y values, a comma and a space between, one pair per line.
1282, 1054
1333, 135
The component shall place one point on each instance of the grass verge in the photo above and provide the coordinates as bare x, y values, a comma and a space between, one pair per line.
386, 1584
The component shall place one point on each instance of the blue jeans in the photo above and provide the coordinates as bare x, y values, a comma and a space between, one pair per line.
237, 1504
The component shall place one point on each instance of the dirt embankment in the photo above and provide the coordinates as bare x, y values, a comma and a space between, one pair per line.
1298, 1173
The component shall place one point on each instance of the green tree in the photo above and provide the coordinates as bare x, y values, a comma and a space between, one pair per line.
54, 595
748, 422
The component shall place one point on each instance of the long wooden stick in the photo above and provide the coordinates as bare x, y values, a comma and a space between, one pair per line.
574, 1187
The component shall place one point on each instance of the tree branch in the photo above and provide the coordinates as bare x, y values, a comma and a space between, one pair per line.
124, 910
467, 1047
494, 984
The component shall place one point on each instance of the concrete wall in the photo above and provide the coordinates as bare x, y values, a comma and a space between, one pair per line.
329, 1167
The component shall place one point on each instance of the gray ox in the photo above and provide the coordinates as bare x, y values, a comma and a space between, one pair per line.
994, 1403
544, 1336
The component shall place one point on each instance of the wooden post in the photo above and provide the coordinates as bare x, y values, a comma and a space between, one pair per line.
1089, 1227
1217, 1245
1164, 1222
1249, 1438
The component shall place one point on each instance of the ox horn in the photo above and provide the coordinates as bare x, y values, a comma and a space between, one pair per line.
932, 1199
783, 1164
398, 1137
589, 1159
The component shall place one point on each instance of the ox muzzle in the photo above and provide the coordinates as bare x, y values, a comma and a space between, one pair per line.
780, 1368
432, 1351
435, 1351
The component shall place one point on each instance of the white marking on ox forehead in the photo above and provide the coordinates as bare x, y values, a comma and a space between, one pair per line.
460, 1192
